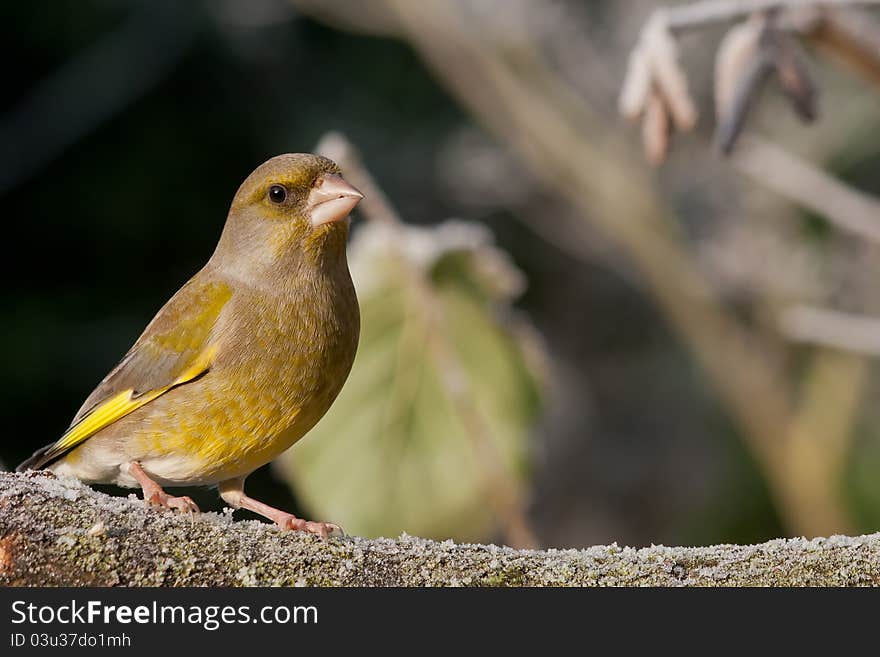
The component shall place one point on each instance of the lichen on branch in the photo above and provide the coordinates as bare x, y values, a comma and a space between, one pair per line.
60, 532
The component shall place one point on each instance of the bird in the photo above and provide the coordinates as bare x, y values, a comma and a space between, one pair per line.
241, 362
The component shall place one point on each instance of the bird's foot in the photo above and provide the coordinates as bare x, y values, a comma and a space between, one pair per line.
232, 492
184, 503
155, 496
322, 529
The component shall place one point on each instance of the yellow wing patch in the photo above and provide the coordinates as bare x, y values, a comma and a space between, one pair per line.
122, 404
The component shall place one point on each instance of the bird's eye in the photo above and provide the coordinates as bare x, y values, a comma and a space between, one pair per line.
277, 194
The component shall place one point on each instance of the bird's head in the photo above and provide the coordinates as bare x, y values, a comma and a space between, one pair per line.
293, 209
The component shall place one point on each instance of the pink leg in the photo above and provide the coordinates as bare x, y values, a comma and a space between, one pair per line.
233, 494
153, 493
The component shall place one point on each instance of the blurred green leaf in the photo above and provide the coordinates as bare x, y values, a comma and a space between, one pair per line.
431, 433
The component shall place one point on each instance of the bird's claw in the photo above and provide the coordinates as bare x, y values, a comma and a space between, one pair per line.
184, 503
322, 529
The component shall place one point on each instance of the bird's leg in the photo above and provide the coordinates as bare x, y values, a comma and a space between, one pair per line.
232, 492
153, 493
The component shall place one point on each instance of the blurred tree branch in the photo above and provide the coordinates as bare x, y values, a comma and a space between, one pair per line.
832, 329
699, 14
853, 37
809, 187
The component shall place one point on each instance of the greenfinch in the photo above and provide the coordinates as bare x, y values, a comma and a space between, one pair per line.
241, 362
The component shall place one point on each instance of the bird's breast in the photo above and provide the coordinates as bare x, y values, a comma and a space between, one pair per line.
289, 363
281, 363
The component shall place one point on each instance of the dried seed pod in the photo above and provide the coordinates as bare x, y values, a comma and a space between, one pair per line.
636, 86
758, 70
744, 66
655, 129
794, 77
661, 51
737, 50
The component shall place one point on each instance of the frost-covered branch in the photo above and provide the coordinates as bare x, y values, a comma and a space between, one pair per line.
833, 329
707, 12
60, 532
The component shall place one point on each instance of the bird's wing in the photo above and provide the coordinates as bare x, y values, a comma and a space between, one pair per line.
177, 347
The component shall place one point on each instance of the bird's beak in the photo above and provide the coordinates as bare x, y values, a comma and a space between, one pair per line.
331, 200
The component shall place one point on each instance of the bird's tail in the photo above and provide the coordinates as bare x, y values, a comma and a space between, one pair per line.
36, 461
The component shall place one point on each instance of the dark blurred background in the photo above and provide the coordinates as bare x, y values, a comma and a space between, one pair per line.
127, 125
